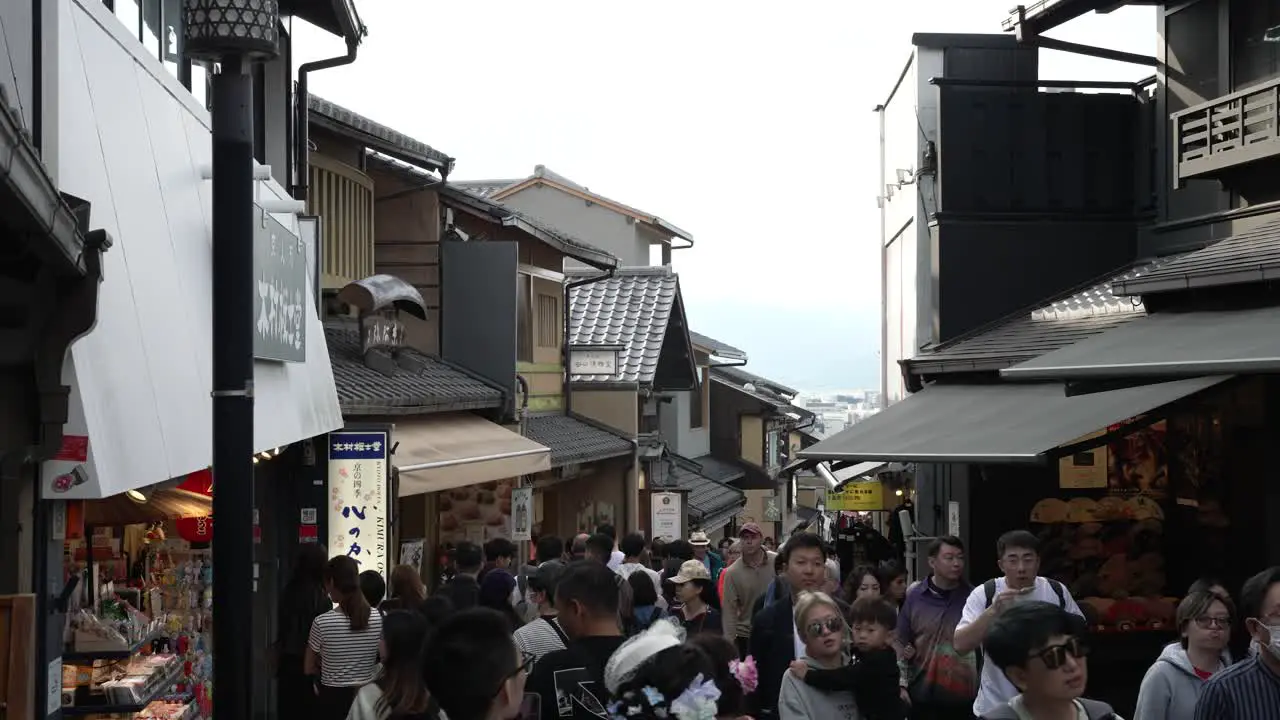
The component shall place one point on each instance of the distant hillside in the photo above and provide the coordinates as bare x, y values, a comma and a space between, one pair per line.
816, 349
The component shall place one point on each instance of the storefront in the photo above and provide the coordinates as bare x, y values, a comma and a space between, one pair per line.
1134, 492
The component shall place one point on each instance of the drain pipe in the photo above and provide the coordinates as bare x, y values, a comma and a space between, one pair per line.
302, 116
522, 546
564, 344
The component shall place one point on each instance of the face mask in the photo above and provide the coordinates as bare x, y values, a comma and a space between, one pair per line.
1274, 646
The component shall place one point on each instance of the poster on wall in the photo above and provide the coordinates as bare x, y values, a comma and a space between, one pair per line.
521, 514
358, 517
1138, 463
1085, 470
411, 552
665, 513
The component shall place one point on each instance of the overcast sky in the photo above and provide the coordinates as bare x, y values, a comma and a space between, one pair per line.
749, 124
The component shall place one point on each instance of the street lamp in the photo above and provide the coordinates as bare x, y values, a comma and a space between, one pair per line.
233, 34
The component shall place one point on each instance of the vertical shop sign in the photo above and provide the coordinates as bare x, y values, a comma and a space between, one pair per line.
521, 514
280, 295
358, 498
665, 515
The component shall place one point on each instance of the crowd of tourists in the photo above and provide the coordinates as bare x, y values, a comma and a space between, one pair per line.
609, 628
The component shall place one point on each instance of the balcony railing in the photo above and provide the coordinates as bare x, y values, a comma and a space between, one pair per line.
1227, 132
343, 197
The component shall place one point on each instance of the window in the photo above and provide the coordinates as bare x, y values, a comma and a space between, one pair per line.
772, 450
549, 321
158, 26
698, 403
524, 319
1254, 59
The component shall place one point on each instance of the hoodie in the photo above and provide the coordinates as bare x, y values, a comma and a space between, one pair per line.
1171, 687
798, 701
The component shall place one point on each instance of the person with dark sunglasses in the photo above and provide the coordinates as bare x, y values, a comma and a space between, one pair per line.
1042, 650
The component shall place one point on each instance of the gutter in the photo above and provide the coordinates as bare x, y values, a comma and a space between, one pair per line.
564, 342
302, 116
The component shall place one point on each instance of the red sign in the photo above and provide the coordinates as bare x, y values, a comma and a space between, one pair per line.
195, 530
75, 448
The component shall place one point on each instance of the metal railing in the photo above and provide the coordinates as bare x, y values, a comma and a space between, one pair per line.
1227, 131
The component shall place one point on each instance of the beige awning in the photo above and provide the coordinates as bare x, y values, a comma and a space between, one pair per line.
442, 452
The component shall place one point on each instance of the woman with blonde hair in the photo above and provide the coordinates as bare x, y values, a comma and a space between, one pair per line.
407, 592
822, 627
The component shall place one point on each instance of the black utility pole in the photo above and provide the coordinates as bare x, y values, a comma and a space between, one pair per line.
233, 33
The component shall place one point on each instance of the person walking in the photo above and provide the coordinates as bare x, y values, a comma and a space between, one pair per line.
463, 590
1018, 553
703, 554
1250, 689
302, 600
399, 693
342, 648
1172, 685
941, 682
745, 582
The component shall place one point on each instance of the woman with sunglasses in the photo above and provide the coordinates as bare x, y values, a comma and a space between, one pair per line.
1173, 684
1041, 649
821, 626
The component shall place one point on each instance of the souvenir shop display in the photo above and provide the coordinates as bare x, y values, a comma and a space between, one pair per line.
140, 645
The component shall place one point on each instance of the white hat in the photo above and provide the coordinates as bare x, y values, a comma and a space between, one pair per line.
699, 538
633, 653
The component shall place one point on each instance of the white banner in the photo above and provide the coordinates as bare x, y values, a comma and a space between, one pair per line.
521, 514
665, 515
358, 517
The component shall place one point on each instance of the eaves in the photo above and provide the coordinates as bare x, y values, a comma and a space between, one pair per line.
372, 408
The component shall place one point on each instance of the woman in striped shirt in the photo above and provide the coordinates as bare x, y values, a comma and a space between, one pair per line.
343, 646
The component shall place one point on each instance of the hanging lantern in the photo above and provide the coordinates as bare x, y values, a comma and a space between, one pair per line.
197, 531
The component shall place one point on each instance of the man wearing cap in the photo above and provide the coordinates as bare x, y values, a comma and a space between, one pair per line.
745, 582
710, 560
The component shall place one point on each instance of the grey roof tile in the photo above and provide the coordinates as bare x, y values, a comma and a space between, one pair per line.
716, 348
1068, 319
487, 188
707, 498
575, 441
719, 470
392, 139
1247, 257
632, 310
432, 386
742, 377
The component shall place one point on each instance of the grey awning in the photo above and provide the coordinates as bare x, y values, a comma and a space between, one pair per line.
1001, 422
1167, 345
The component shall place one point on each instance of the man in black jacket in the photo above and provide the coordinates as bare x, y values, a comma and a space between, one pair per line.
773, 630
463, 591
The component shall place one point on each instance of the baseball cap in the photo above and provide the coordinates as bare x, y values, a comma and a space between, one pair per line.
699, 538
750, 529
690, 570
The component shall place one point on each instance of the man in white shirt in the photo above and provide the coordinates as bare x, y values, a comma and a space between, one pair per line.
1019, 558
616, 556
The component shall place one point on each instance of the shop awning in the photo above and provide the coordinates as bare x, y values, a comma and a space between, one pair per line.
995, 423
1167, 345
442, 452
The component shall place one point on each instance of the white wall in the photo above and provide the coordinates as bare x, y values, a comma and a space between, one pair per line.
131, 140
910, 122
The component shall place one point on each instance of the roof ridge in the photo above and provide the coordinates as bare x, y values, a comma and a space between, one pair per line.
629, 270
382, 131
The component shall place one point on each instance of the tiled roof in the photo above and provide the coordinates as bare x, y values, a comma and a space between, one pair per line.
707, 498
1069, 319
564, 242
631, 310
488, 188
717, 469
484, 188
715, 347
1248, 257
420, 384
738, 376
574, 441
386, 137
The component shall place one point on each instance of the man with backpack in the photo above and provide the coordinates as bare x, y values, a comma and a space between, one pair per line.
1018, 553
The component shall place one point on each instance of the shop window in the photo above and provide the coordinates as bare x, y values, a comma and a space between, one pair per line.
524, 319
157, 24
772, 450
549, 321
1254, 58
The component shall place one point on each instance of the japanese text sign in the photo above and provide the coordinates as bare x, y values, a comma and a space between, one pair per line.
857, 496
358, 482
280, 292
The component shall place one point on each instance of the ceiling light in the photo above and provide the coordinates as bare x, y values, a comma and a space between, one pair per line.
898, 493
136, 496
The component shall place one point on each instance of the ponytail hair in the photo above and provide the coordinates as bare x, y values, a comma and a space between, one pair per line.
343, 576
